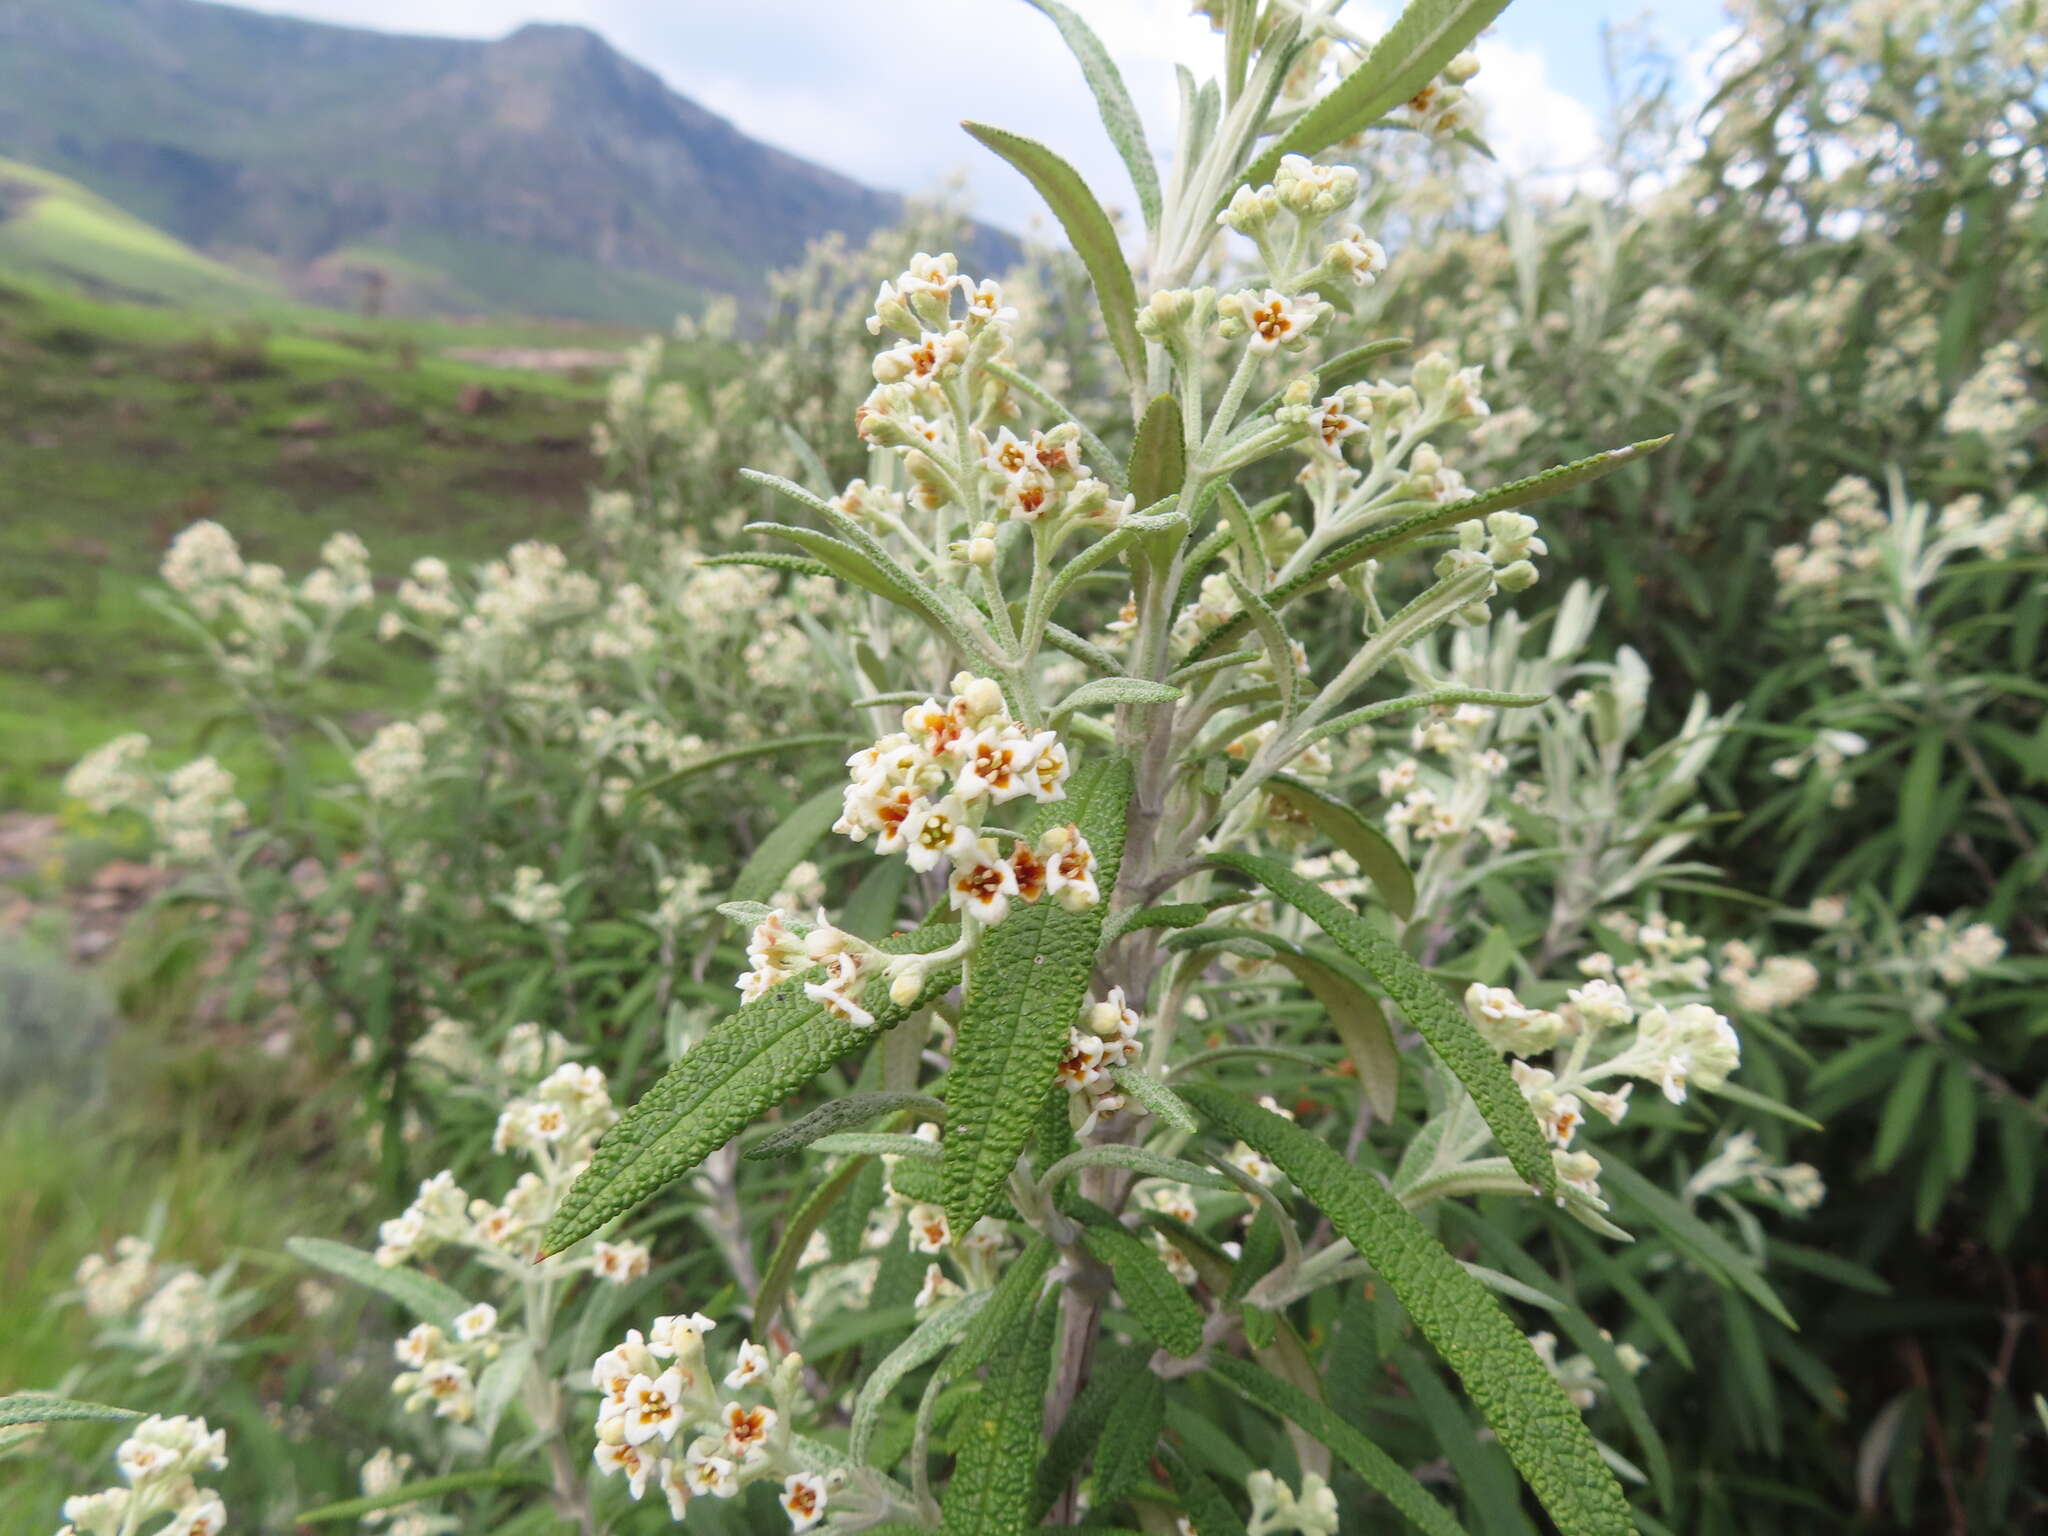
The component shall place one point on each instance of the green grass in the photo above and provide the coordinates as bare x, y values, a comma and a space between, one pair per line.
53, 226
121, 424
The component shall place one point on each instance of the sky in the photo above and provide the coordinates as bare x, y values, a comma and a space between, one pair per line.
877, 88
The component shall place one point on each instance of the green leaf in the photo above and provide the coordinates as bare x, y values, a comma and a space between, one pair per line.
1091, 234
932, 1338
1342, 825
1159, 1303
788, 1255
1160, 1101
788, 845
1128, 1438
1378, 543
1100, 691
1015, 1293
1901, 1117
856, 1109
1385, 1475
1274, 641
422, 1295
843, 560
1073, 1443
1441, 1022
773, 560
1345, 368
746, 1064
1427, 36
48, 1408
1183, 914
1159, 461
998, 1438
1336, 725
1025, 985
1535, 1422
1694, 1238
510, 1475
499, 1383
1360, 1024
1119, 117
1208, 1511
835, 740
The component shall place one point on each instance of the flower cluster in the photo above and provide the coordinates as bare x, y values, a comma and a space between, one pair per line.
441, 1369
1576, 1373
160, 1463
1106, 1038
662, 1421
251, 610
1608, 1027
1741, 1161
192, 810
164, 1311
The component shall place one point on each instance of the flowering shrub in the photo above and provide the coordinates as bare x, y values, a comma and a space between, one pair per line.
1171, 950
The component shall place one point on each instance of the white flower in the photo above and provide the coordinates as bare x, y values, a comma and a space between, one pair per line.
476, 1323
983, 883
751, 1365
929, 1230
629, 1459
708, 1473
937, 1287
746, 1431
653, 1407
620, 1263
803, 1499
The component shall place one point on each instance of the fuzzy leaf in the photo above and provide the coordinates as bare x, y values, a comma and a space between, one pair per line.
1119, 117
1088, 231
1097, 692
1025, 986
1207, 1509
1535, 1422
1423, 39
999, 1438
1159, 1303
1699, 1242
1442, 1022
1015, 1294
746, 1064
48, 1408
846, 1114
1379, 543
1159, 462
1274, 640
1342, 825
1337, 725
422, 1295
932, 1338
1159, 1100
774, 560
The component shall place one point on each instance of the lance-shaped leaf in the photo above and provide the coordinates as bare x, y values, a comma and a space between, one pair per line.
1381, 542
1025, 985
1159, 459
842, 560
1074, 1441
1015, 1294
1101, 691
773, 560
1441, 1022
1359, 1023
48, 1408
1337, 725
1535, 1422
1088, 231
1157, 519
849, 1113
720, 759
1274, 641
1125, 128
1379, 1470
932, 1338
1378, 858
746, 1064
1425, 37
1128, 1439
796, 1236
1159, 1100
1000, 1437
1208, 1509
1159, 1303
786, 847
509, 1475
425, 1297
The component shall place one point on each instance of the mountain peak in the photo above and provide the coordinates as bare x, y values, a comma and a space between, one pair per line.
543, 172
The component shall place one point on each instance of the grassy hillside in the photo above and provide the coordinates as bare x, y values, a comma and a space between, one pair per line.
120, 424
53, 227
